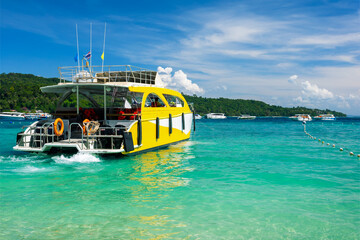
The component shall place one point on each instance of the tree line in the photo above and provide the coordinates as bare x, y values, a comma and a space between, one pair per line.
237, 107
21, 92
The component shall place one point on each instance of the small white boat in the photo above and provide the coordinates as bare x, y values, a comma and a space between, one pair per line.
215, 116
39, 115
12, 116
301, 117
246, 117
325, 117
198, 116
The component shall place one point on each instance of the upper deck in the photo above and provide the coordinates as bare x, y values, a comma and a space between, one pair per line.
114, 74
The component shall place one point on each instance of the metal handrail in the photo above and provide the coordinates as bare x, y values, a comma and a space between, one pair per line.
44, 134
82, 134
76, 74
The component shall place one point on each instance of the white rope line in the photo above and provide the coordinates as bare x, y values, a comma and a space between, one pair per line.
342, 149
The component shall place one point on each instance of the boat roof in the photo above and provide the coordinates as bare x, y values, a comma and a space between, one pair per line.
96, 78
116, 74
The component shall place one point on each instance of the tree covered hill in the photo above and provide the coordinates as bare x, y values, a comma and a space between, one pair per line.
236, 107
22, 92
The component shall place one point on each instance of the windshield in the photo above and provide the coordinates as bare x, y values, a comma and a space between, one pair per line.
116, 97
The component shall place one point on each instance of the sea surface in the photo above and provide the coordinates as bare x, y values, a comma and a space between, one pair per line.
234, 179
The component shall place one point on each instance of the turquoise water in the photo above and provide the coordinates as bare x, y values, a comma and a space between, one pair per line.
261, 179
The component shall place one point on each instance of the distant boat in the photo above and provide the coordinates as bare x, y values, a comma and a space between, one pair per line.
325, 117
12, 116
246, 117
301, 117
198, 116
215, 116
37, 116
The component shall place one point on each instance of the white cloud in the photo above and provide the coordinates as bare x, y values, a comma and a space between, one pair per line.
285, 65
226, 30
312, 91
327, 40
178, 81
315, 97
292, 78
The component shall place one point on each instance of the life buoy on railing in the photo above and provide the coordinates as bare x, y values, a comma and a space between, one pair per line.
58, 132
84, 122
91, 127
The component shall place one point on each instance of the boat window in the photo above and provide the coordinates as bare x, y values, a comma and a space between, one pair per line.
153, 100
122, 98
90, 98
84, 101
174, 101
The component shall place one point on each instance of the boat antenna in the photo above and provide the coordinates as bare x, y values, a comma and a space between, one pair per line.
77, 45
103, 53
90, 46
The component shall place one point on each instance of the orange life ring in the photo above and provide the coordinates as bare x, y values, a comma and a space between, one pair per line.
57, 131
84, 128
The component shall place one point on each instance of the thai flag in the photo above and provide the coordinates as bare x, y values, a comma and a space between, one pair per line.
88, 55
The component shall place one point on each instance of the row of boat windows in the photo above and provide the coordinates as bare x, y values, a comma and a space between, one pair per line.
154, 100
119, 99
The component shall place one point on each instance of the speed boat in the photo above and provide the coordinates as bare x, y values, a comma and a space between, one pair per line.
301, 117
12, 116
121, 110
246, 117
215, 116
325, 117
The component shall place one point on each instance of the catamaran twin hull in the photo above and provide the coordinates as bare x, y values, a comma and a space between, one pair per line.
110, 116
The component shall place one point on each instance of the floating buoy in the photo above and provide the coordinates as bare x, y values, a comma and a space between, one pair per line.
351, 153
322, 142
341, 149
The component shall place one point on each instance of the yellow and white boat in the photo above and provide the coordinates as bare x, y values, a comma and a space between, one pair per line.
124, 109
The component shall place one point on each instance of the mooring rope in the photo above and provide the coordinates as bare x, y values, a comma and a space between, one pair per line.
342, 149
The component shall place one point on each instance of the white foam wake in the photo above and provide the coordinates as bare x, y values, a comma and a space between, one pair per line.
21, 158
77, 158
31, 169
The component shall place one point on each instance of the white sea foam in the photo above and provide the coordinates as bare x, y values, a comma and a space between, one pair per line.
31, 169
21, 158
77, 158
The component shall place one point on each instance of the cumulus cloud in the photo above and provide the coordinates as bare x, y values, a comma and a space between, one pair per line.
178, 81
313, 91
316, 97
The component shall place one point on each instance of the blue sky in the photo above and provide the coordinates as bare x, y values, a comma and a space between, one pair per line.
288, 53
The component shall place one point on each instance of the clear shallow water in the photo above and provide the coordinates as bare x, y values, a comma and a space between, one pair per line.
261, 179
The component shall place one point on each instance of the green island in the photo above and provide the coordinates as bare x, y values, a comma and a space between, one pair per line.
21, 92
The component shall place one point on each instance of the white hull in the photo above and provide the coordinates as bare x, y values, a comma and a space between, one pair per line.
326, 117
246, 117
8, 116
215, 116
301, 117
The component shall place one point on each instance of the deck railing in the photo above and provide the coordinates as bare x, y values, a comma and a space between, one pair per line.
105, 74
41, 135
